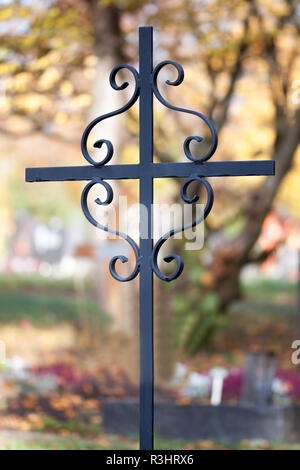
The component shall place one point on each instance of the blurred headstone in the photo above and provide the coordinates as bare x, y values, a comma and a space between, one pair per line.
260, 368
49, 241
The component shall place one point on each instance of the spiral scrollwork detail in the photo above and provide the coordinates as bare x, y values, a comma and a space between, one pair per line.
109, 192
193, 223
92, 124
178, 80
127, 238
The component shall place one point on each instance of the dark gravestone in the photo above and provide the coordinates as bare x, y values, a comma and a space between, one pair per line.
260, 368
193, 422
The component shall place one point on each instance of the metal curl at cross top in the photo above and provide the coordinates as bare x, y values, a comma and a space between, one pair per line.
184, 187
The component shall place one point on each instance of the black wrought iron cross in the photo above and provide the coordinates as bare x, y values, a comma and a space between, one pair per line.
98, 173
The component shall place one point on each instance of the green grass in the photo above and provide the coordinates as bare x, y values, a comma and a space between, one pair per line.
71, 444
39, 283
42, 309
91, 431
268, 297
110, 442
270, 292
115, 443
48, 301
268, 286
45, 302
79, 444
78, 427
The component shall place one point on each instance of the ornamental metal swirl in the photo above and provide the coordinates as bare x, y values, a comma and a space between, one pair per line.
92, 220
192, 224
188, 140
106, 159
92, 124
109, 153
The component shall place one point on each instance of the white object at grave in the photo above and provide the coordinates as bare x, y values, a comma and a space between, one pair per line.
280, 391
2, 353
197, 385
16, 367
218, 374
179, 373
46, 239
279, 387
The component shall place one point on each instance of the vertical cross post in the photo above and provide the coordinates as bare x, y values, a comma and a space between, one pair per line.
146, 242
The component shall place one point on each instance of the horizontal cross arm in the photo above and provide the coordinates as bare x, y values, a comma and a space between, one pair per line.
155, 170
82, 173
207, 169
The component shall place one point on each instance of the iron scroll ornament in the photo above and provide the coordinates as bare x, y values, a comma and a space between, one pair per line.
198, 220
188, 140
92, 124
109, 153
92, 220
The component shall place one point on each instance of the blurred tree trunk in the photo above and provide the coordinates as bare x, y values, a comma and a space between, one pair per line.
230, 258
108, 48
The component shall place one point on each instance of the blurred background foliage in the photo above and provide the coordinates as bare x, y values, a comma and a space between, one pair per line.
242, 66
66, 324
